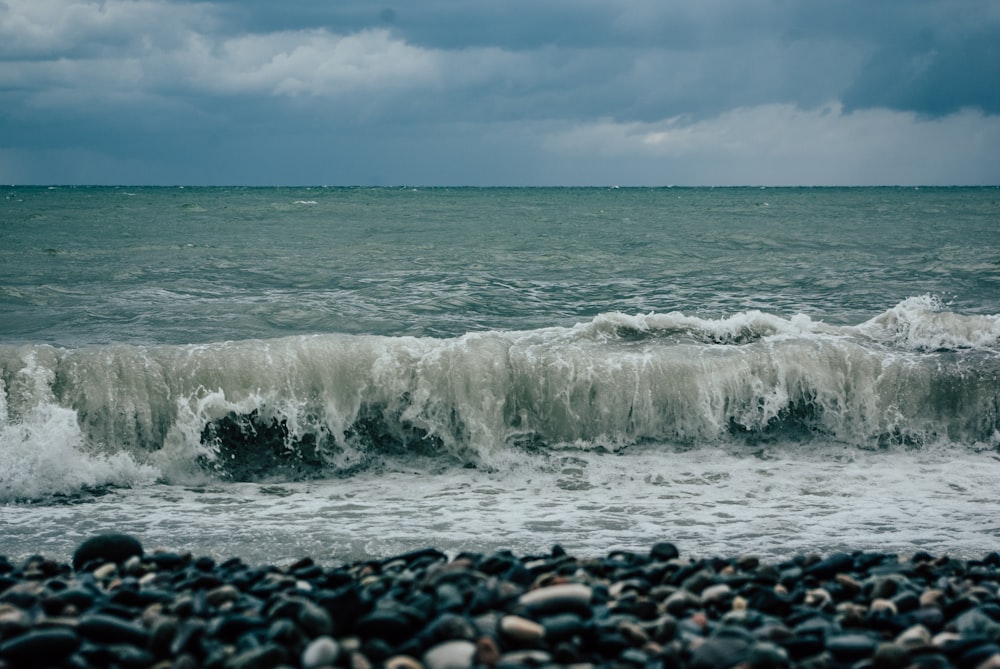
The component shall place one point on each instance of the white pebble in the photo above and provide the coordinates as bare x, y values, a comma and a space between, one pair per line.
455, 654
321, 651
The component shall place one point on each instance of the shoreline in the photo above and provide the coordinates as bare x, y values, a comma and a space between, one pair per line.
119, 605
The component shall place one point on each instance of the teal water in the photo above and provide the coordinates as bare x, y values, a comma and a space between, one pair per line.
186, 265
352, 371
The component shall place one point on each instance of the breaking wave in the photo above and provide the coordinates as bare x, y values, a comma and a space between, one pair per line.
329, 405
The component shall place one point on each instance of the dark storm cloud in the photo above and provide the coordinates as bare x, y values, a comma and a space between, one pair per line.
920, 55
637, 90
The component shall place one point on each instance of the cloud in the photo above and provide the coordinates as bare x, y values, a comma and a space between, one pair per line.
38, 29
651, 91
784, 144
311, 62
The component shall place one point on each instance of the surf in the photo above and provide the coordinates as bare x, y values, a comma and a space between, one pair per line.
315, 406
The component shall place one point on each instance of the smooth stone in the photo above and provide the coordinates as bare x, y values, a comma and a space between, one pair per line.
565, 597
906, 602
930, 617
13, 619
800, 647
634, 657
402, 662
283, 632
106, 570
882, 607
40, 647
521, 629
698, 581
680, 603
849, 585
267, 656
321, 651
313, 619
111, 547
977, 623
978, 654
851, 647
664, 551
487, 651
449, 597
890, 656
992, 662
914, 637
831, 566
767, 655
931, 661
457, 654
130, 657
522, 658
359, 661
103, 628
818, 598
633, 632
725, 651
386, 623
446, 627
715, 593
562, 626
932, 597
223, 594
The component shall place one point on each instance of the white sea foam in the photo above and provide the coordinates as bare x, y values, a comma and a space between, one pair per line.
925, 324
43, 453
479, 399
709, 501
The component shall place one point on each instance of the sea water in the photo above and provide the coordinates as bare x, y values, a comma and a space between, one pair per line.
351, 372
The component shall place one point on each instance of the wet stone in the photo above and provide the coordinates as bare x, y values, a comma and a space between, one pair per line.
521, 630
388, 624
563, 598
40, 647
664, 551
111, 547
851, 647
109, 629
458, 654
402, 662
268, 656
628, 609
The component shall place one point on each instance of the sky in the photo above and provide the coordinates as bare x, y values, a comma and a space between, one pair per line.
500, 93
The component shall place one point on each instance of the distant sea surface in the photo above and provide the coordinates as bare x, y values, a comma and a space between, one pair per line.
351, 372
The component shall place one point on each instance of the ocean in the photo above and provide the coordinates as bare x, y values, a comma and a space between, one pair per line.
346, 373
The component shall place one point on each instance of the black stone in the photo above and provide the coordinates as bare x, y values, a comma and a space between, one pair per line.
664, 551
267, 656
831, 566
104, 628
851, 647
106, 548
39, 648
388, 624
168, 561
724, 651
800, 646
563, 626
81, 598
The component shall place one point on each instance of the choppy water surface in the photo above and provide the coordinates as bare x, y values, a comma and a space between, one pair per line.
350, 372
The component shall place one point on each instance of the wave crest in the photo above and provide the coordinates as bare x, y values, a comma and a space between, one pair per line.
333, 404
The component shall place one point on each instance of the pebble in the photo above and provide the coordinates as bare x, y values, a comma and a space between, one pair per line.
561, 598
456, 654
110, 547
521, 630
321, 651
117, 606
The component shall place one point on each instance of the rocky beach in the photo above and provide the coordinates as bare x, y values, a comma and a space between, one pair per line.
119, 605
